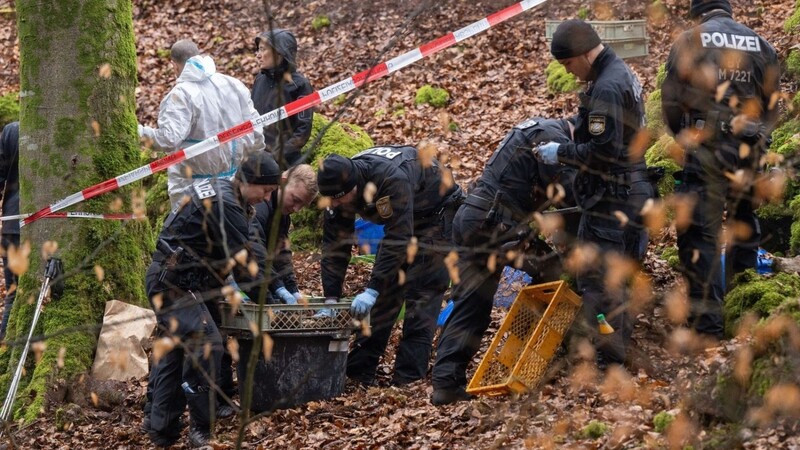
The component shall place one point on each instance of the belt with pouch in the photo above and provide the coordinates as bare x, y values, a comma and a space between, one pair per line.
507, 215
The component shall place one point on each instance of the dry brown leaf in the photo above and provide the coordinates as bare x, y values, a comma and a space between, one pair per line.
99, 272
411, 249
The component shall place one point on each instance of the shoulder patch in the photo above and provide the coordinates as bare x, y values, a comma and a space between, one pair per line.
527, 124
384, 207
204, 189
597, 125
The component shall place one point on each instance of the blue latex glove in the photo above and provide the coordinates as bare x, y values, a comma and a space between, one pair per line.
327, 312
547, 153
285, 296
364, 302
297, 296
235, 285
140, 130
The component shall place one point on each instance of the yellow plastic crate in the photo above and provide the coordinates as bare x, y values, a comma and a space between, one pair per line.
525, 344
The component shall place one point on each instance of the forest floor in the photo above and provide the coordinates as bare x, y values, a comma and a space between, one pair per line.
495, 80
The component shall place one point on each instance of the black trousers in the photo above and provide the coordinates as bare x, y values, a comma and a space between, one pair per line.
11, 280
474, 295
422, 293
600, 227
188, 319
699, 249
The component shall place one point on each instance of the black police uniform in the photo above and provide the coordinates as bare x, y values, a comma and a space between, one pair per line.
514, 171
408, 203
610, 181
9, 179
277, 87
208, 236
738, 58
282, 266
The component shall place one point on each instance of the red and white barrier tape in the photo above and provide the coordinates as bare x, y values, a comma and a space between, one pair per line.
320, 96
78, 215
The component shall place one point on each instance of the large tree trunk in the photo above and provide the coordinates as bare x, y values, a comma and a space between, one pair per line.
78, 127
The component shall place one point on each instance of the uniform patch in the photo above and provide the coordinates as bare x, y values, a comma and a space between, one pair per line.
597, 125
384, 207
204, 189
527, 124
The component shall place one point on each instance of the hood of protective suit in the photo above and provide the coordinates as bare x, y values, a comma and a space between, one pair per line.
198, 68
283, 41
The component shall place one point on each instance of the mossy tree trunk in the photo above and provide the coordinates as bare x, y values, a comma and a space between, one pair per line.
78, 127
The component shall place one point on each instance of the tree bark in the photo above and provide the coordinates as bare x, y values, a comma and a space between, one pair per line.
78, 128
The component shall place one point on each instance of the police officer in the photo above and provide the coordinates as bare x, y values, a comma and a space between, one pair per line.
394, 187
192, 261
612, 185
720, 79
494, 218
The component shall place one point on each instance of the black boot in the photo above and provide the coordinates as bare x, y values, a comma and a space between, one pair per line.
448, 396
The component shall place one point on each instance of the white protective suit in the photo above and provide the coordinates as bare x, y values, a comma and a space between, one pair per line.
202, 104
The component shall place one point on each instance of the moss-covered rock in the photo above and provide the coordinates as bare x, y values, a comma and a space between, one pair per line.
320, 22
786, 138
327, 138
662, 420
793, 64
559, 81
670, 255
429, 95
594, 430
759, 294
658, 156
9, 109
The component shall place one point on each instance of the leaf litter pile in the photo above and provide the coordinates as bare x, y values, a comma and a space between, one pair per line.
495, 80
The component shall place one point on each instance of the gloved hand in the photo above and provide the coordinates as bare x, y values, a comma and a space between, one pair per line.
298, 296
285, 296
547, 153
235, 285
327, 312
140, 129
364, 302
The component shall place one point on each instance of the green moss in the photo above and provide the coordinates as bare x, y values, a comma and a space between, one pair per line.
658, 156
661, 75
662, 420
786, 138
583, 13
794, 240
793, 64
9, 109
340, 99
320, 22
653, 117
452, 126
559, 81
758, 294
792, 24
670, 255
436, 97
399, 111
594, 430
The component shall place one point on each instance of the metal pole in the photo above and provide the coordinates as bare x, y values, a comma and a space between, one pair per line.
50, 272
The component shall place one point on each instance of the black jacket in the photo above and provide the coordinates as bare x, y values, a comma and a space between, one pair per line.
407, 200
274, 88
610, 115
733, 55
9, 175
212, 235
514, 169
282, 267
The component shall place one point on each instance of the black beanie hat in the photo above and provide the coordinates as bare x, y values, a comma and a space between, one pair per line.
573, 38
336, 177
260, 168
703, 6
